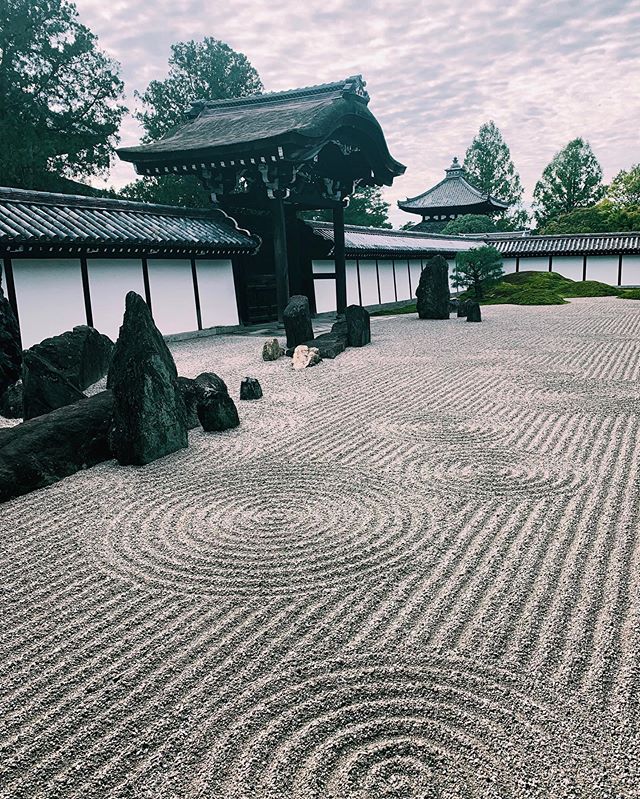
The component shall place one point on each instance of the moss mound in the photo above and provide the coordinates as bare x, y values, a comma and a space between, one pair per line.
630, 294
544, 288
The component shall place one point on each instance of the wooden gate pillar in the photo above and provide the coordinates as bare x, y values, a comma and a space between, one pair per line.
280, 254
339, 257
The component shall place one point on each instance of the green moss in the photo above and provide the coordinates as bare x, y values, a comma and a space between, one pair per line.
590, 288
543, 288
410, 308
630, 294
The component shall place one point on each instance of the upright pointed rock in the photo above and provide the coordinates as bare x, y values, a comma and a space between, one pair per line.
433, 289
149, 417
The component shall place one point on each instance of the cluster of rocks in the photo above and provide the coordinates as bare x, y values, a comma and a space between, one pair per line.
351, 330
144, 414
433, 297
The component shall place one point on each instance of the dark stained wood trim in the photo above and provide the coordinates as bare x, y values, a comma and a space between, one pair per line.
378, 280
359, 286
240, 288
325, 276
409, 273
147, 284
584, 267
11, 287
280, 254
421, 265
395, 288
551, 263
86, 291
196, 292
339, 257
620, 269
517, 263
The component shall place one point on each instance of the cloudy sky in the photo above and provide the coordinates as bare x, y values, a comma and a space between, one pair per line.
545, 70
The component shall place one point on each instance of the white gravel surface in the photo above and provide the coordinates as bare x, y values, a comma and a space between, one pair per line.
412, 572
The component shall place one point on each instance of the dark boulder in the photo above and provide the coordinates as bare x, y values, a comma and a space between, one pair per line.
44, 388
10, 347
82, 355
271, 350
461, 311
250, 389
454, 304
340, 329
11, 402
297, 321
188, 392
149, 416
433, 290
358, 326
473, 312
211, 380
216, 409
329, 345
42, 451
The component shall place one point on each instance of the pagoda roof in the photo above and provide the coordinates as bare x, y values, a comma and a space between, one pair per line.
453, 194
263, 128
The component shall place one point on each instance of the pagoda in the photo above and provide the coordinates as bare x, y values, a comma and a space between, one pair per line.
454, 196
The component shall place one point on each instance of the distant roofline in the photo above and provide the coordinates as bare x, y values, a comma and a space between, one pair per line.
387, 231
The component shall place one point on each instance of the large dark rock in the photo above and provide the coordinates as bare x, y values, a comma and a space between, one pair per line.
216, 409
44, 388
82, 355
297, 321
189, 394
358, 326
340, 329
329, 345
461, 311
10, 347
41, 451
473, 312
433, 289
149, 417
11, 402
250, 389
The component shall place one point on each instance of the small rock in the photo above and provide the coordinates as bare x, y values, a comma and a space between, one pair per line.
250, 389
358, 326
473, 312
11, 402
304, 356
216, 410
272, 350
211, 380
297, 320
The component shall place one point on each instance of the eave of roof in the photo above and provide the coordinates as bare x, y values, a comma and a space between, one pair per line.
567, 244
46, 222
453, 192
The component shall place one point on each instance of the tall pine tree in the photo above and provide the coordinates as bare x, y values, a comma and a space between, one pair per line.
489, 167
573, 179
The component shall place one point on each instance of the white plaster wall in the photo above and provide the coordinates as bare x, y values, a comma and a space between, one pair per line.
218, 304
539, 263
402, 279
416, 271
325, 295
368, 282
452, 269
49, 295
568, 266
352, 284
387, 290
508, 265
172, 298
603, 268
323, 267
630, 270
110, 279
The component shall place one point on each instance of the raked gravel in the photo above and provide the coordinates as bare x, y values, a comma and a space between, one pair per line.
411, 572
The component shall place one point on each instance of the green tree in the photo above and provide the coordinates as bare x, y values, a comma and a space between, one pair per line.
470, 223
625, 187
488, 164
604, 217
59, 96
573, 179
477, 269
366, 207
207, 70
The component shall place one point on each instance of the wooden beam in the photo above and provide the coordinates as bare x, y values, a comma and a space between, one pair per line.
395, 287
551, 263
280, 254
196, 292
359, 284
378, 282
147, 285
409, 273
84, 271
339, 257
620, 269
584, 267
517, 263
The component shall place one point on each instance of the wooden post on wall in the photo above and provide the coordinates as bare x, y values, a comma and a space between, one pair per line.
620, 269
147, 285
196, 292
339, 256
11, 288
517, 263
280, 254
84, 271
551, 263
584, 267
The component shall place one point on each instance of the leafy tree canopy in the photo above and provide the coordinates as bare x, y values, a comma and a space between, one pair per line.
477, 269
625, 187
366, 207
573, 179
470, 223
604, 217
185, 192
489, 166
59, 96
206, 70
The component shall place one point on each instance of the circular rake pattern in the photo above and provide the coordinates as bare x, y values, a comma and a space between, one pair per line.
276, 529
372, 726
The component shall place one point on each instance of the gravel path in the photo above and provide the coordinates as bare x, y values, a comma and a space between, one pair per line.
412, 572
